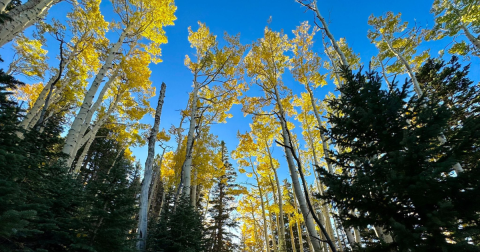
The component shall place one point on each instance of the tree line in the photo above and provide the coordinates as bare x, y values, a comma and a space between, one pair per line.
394, 163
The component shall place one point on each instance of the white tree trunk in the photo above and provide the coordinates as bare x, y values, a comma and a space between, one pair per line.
187, 164
4, 4
299, 225
80, 159
307, 215
470, 37
329, 34
86, 124
40, 101
292, 238
193, 196
379, 231
73, 133
262, 203
281, 236
23, 17
147, 179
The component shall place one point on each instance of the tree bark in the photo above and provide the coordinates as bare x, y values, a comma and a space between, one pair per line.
73, 133
325, 28
187, 164
143, 212
23, 16
40, 101
470, 37
265, 228
281, 236
292, 238
307, 215
299, 228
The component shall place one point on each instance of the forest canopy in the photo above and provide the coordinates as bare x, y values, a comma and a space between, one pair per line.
169, 126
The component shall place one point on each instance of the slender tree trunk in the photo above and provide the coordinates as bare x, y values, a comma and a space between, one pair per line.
23, 16
40, 101
281, 236
143, 212
95, 106
73, 133
337, 228
161, 204
272, 228
187, 164
307, 215
265, 228
152, 199
299, 228
292, 238
80, 159
470, 37
314, 7
193, 196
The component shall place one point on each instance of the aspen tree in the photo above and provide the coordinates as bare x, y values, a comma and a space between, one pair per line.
215, 86
265, 64
265, 130
244, 154
141, 20
79, 60
22, 17
453, 17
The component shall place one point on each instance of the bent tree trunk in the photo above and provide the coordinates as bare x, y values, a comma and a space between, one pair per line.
147, 179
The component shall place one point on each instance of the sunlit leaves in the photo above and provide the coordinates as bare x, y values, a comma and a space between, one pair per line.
30, 58
454, 17
394, 39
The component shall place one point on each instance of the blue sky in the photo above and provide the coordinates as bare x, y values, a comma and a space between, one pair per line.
347, 19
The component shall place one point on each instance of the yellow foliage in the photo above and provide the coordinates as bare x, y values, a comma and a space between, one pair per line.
29, 93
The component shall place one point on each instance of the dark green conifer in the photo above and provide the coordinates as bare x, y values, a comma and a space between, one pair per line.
395, 172
223, 197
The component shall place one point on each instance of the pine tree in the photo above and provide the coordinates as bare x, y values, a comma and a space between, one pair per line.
222, 205
180, 228
395, 173
38, 198
110, 196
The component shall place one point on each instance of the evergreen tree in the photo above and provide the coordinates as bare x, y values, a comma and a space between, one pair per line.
222, 205
395, 172
110, 196
180, 228
38, 198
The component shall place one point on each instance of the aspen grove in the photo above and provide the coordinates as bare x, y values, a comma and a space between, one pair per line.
213, 126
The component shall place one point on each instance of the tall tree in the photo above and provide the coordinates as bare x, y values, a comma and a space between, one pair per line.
147, 177
381, 181
215, 86
265, 64
144, 36
222, 205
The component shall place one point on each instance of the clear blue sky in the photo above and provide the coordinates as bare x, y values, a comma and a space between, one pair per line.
348, 19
